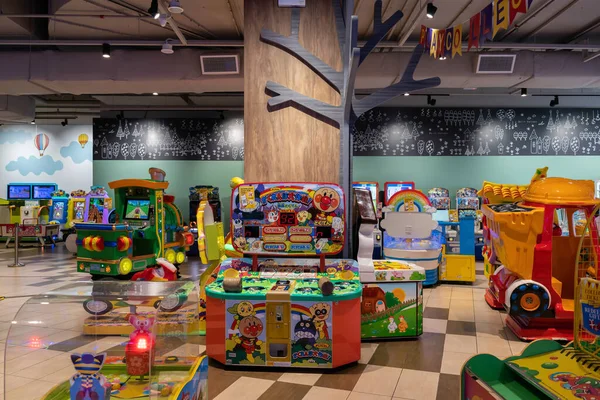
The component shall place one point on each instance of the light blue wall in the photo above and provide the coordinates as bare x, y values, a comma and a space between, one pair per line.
456, 172
180, 174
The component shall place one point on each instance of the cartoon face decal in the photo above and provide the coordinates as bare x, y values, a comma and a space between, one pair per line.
255, 245
305, 332
303, 217
320, 311
273, 216
240, 242
245, 309
250, 327
141, 323
326, 199
237, 223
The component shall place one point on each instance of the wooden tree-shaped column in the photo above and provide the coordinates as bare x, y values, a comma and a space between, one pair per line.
344, 115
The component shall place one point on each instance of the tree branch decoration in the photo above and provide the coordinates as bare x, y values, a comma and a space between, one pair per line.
342, 81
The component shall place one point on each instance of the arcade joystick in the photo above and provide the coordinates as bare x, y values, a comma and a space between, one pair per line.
326, 286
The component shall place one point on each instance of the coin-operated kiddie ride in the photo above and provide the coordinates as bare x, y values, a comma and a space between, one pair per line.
392, 299
286, 312
496, 193
545, 369
148, 226
535, 283
421, 250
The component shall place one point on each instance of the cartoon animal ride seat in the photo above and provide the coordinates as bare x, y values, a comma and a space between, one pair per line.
285, 312
535, 283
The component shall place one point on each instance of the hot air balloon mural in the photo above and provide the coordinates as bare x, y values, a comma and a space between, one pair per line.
82, 139
41, 142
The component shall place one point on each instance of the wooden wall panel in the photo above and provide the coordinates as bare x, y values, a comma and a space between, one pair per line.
287, 144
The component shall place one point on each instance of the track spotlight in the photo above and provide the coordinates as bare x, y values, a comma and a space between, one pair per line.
163, 18
442, 58
105, 50
32, 122
431, 9
175, 7
167, 47
407, 94
153, 10
221, 115
554, 102
523, 92
120, 116
65, 122
431, 101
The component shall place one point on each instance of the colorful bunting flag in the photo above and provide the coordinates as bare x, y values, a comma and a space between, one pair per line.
440, 42
434, 43
474, 29
516, 6
457, 41
486, 23
500, 15
448, 42
423, 36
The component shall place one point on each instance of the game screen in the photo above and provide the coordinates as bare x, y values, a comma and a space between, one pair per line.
137, 209
393, 188
19, 192
371, 187
43, 192
78, 210
58, 210
441, 216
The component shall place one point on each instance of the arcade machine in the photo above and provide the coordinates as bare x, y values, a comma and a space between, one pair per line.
423, 250
97, 205
59, 210
546, 369
392, 299
148, 226
286, 312
458, 260
373, 188
198, 194
496, 193
75, 214
28, 205
391, 188
140, 365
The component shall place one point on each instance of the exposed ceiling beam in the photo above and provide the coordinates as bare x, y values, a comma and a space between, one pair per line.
187, 99
591, 57
547, 22
53, 16
528, 17
237, 28
393, 30
457, 16
411, 26
579, 35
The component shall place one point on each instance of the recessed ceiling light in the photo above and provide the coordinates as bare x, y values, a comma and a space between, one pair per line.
431, 9
32, 122
175, 7
470, 88
407, 94
442, 58
154, 93
105, 50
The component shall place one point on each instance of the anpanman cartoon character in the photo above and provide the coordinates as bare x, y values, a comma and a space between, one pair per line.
239, 311
250, 329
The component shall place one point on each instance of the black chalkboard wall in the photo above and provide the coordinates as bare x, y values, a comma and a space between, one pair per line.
477, 132
169, 139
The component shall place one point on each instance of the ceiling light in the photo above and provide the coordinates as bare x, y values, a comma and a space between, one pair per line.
431, 9
523, 92
175, 7
162, 19
105, 50
442, 58
167, 47
32, 122
221, 115
554, 102
153, 10
407, 94
65, 122
431, 101
154, 93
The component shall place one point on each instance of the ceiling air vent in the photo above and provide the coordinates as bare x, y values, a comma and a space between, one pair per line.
220, 64
496, 63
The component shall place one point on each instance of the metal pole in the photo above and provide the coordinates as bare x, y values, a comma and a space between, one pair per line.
17, 263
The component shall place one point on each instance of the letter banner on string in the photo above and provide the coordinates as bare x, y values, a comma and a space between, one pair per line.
440, 42
423, 36
448, 42
457, 41
516, 6
434, 42
500, 15
474, 29
429, 36
486, 23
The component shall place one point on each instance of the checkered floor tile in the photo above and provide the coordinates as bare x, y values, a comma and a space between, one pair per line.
457, 324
